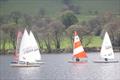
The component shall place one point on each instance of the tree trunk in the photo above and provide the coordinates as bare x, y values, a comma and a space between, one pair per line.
47, 43
3, 47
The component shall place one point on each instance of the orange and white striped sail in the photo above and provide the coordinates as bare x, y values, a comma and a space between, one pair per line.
78, 51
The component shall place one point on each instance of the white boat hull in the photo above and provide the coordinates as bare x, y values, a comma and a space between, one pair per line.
100, 61
26, 65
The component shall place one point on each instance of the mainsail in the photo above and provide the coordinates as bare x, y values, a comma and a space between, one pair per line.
78, 51
29, 54
107, 50
36, 52
24, 46
29, 51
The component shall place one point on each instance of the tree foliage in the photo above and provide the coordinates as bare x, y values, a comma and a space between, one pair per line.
15, 16
56, 29
82, 32
68, 18
113, 28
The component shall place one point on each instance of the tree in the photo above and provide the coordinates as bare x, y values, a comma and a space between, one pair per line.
9, 35
56, 29
41, 13
67, 2
3, 20
95, 26
11, 30
28, 21
68, 18
15, 16
41, 26
82, 32
74, 8
68, 5
113, 28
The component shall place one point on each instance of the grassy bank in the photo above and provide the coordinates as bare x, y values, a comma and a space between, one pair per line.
54, 7
67, 43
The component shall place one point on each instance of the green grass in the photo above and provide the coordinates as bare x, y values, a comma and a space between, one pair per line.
66, 43
8, 45
54, 7
84, 17
31, 6
96, 42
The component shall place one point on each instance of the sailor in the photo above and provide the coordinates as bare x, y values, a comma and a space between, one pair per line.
106, 59
77, 59
27, 63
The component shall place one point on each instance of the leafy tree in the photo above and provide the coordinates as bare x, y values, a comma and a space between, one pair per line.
44, 35
68, 5
68, 18
74, 8
42, 12
56, 29
67, 2
10, 35
113, 28
82, 32
15, 16
28, 21
95, 26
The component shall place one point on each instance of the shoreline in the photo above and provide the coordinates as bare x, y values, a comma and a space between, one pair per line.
59, 51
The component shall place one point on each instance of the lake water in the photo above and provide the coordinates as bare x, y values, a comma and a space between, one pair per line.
56, 67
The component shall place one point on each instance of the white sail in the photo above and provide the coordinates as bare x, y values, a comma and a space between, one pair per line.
29, 54
36, 52
23, 45
25, 52
107, 50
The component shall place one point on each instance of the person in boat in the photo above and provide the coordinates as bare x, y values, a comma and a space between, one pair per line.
106, 59
77, 59
27, 63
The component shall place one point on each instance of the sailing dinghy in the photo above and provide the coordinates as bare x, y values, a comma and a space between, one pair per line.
29, 54
107, 51
79, 55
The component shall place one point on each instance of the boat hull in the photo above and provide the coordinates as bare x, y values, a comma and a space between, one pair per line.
26, 65
77, 62
105, 61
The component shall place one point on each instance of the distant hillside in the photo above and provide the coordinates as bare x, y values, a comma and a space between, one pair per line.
54, 7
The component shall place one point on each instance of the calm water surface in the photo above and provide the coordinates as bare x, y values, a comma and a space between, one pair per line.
56, 67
